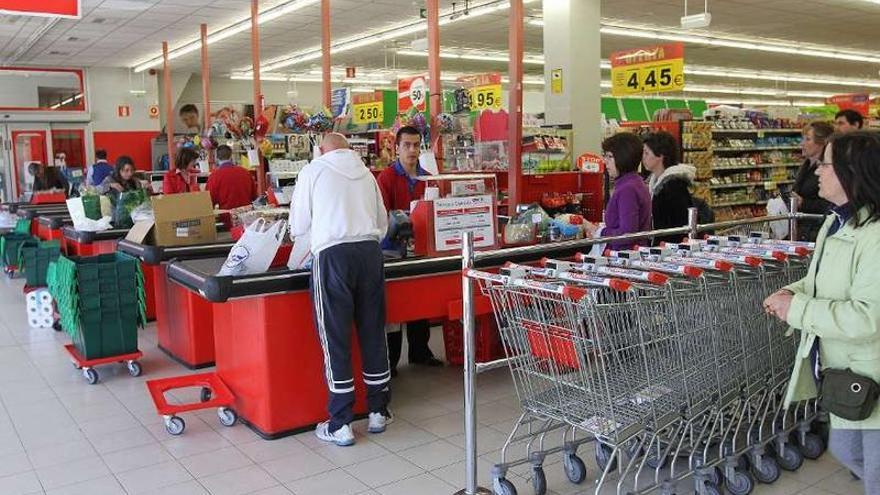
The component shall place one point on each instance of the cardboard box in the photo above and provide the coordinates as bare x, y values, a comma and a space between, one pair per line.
180, 220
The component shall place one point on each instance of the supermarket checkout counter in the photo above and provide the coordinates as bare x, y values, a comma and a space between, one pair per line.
184, 320
266, 347
49, 226
32, 212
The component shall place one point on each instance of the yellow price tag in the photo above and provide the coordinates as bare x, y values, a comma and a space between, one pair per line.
649, 77
486, 97
368, 113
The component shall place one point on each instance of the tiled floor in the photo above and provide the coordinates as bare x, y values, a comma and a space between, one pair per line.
59, 435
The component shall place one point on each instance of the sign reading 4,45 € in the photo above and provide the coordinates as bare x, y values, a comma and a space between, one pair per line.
486, 97
648, 70
368, 113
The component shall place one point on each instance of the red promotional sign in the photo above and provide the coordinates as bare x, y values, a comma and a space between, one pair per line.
859, 102
123, 111
412, 92
45, 8
657, 53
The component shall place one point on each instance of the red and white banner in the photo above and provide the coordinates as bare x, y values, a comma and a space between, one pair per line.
859, 102
45, 8
412, 92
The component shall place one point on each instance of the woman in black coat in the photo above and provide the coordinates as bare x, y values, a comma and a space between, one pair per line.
806, 185
669, 183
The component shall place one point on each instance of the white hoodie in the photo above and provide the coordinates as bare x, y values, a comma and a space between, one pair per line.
337, 200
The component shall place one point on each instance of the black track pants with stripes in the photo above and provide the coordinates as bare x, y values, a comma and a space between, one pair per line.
348, 289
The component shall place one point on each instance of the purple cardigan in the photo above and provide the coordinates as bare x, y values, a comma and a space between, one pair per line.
628, 210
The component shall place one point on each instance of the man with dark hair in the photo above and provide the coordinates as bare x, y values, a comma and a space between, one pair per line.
189, 115
848, 120
230, 185
400, 186
100, 170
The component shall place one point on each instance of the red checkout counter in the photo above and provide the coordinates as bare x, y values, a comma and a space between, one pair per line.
32, 212
49, 226
184, 319
266, 347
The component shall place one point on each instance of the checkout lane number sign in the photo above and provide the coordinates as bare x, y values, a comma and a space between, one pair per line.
652, 69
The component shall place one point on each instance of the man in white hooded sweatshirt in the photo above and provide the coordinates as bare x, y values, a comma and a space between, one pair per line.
337, 206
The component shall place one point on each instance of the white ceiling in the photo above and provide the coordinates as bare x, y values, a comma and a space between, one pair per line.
124, 32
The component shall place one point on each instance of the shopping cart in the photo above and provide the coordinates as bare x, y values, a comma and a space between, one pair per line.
663, 357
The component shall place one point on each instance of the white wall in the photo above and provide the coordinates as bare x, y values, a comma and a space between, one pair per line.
108, 88
225, 90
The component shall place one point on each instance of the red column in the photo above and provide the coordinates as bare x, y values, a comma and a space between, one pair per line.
258, 92
206, 84
436, 91
169, 105
515, 40
325, 52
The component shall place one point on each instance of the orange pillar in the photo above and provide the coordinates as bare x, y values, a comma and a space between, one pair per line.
258, 91
325, 52
169, 105
515, 40
436, 91
206, 86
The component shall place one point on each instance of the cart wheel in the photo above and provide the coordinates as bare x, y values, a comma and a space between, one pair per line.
740, 484
539, 480
206, 394
227, 416
766, 470
603, 456
503, 486
791, 458
91, 375
710, 489
575, 469
134, 368
653, 462
812, 446
714, 476
175, 425
56, 325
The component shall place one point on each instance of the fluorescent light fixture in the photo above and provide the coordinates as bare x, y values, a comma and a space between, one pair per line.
405, 28
78, 96
307, 78
137, 92
225, 32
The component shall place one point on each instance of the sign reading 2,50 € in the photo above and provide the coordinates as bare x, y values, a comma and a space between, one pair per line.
648, 70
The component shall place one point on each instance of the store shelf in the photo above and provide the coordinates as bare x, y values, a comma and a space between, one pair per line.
763, 165
739, 203
749, 184
756, 131
284, 175
760, 148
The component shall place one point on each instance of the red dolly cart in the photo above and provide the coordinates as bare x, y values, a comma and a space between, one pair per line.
88, 365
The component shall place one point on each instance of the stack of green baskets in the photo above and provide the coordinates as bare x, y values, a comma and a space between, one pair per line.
11, 245
101, 302
35, 261
23, 226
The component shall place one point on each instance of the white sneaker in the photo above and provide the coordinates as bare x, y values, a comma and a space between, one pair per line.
342, 437
379, 421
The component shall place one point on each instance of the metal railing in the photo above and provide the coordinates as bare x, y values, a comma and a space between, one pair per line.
472, 368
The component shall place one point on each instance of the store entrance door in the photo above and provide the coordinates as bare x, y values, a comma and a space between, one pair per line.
71, 148
29, 144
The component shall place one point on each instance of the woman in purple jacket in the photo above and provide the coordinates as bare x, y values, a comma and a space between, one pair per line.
629, 209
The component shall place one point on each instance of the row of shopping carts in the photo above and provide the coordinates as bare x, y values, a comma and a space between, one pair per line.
663, 358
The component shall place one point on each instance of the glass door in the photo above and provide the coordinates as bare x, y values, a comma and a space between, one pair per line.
30, 144
71, 148
5, 168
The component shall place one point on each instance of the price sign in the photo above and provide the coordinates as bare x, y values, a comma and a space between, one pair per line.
486, 97
412, 92
367, 113
648, 70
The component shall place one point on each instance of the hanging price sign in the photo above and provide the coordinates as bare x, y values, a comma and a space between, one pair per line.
486, 97
648, 70
368, 113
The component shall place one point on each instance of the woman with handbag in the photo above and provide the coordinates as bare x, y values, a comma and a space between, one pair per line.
837, 307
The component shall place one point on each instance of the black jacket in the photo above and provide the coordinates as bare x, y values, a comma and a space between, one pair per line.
806, 185
671, 199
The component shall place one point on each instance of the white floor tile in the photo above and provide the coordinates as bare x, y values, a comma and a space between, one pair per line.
106, 485
336, 482
109, 442
364, 450
261, 451
153, 477
20, 484
218, 461
423, 484
14, 464
402, 435
383, 470
433, 455
186, 488
72, 472
239, 481
136, 458
297, 466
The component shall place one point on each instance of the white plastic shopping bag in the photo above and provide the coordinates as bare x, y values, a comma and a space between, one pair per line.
598, 249
428, 162
256, 249
779, 228
301, 254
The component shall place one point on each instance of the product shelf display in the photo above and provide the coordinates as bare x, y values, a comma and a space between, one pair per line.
741, 162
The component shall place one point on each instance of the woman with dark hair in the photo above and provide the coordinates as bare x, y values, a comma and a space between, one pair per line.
629, 208
806, 185
183, 178
837, 305
669, 183
121, 179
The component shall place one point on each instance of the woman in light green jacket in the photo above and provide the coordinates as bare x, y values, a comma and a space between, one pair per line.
837, 305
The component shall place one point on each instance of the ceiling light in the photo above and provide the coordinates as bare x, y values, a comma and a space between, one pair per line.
225, 32
388, 33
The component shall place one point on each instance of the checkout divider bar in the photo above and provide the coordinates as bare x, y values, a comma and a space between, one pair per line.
470, 259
